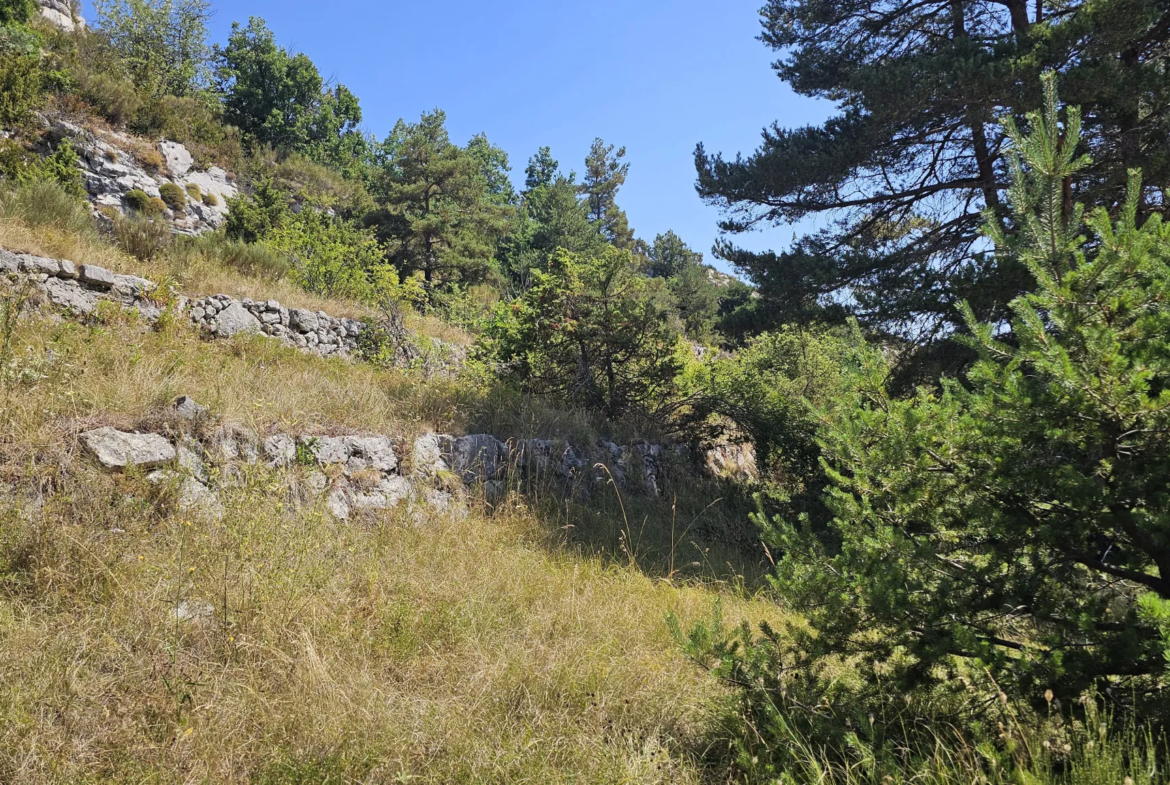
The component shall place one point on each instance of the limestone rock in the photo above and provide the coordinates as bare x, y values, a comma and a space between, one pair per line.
189, 410
430, 453
70, 296
479, 458
178, 160
96, 277
280, 450
371, 452
116, 449
235, 320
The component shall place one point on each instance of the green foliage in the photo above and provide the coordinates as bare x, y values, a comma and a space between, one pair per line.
22, 86
162, 44
1015, 520
137, 200
590, 331
278, 98
669, 256
21, 166
174, 196
439, 215
901, 173
142, 237
210, 199
194, 193
605, 173
334, 258
253, 216
792, 720
768, 390
16, 12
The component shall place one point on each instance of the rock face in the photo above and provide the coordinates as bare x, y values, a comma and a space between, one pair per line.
732, 461
62, 13
116, 449
110, 169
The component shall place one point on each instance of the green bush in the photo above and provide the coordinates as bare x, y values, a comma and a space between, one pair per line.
21, 86
174, 196
16, 12
335, 258
141, 202
114, 97
590, 331
20, 166
193, 191
253, 216
210, 199
253, 259
141, 237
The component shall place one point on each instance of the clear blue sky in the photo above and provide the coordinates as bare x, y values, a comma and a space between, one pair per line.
657, 76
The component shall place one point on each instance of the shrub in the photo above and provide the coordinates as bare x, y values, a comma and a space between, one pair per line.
151, 159
255, 215
16, 12
143, 238
335, 258
114, 97
174, 196
19, 165
142, 202
21, 86
46, 203
210, 199
590, 331
194, 192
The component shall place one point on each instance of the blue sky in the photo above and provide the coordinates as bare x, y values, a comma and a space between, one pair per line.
656, 76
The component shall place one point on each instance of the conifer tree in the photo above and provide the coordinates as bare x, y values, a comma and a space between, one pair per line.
605, 174
914, 154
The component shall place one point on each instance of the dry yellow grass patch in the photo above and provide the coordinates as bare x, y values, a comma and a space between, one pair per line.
395, 649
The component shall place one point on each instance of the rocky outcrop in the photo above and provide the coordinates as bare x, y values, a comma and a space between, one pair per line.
110, 169
64, 14
732, 461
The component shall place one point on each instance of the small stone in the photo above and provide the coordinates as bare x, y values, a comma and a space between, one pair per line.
189, 459
338, 504
97, 277
197, 314
327, 449
189, 610
268, 317
68, 270
302, 321
116, 449
281, 450
316, 482
273, 305
189, 410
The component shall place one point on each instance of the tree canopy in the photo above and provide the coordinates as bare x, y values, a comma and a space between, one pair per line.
914, 155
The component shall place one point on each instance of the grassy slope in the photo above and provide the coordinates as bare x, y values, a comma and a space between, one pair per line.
474, 650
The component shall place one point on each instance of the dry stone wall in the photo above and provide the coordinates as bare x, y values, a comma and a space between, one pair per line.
355, 474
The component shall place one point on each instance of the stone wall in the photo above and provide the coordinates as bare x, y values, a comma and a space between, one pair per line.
197, 458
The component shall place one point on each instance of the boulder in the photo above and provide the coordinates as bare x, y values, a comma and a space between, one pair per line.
430, 453
95, 277
235, 320
371, 452
479, 458
116, 449
302, 321
280, 450
179, 161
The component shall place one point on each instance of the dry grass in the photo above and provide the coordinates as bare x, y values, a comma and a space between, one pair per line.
458, 650
194, 274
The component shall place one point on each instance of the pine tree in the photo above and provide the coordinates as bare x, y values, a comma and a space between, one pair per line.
915, 153
1018, 520
605, 174
439, 215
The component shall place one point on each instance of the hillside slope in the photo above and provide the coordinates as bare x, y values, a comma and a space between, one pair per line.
147, 640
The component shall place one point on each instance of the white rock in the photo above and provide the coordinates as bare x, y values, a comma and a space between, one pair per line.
179, 161
428, 458
116, 449
235, 320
